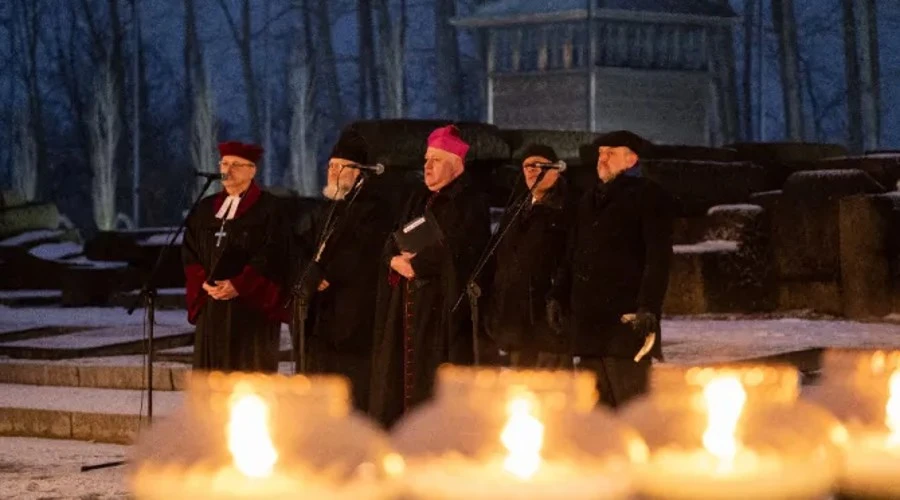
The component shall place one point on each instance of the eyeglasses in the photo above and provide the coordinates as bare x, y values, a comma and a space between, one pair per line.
235, 164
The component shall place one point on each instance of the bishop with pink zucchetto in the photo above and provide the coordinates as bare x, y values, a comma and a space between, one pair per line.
438, 240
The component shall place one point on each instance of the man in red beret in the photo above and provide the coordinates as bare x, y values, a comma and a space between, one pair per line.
232, 251
441, 234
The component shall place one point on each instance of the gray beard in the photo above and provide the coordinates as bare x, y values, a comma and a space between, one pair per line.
335, 191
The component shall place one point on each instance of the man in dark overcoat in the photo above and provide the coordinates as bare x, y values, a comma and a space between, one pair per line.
611, 289
531, 250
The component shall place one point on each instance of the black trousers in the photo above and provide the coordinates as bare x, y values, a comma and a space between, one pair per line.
540, 359
619, 380
357, 367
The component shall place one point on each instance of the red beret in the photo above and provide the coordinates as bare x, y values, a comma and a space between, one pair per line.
448, 139
249, 152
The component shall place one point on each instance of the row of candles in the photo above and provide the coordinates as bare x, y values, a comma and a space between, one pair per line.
738, 431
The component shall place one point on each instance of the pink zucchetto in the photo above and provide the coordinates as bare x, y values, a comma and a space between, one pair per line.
448, 139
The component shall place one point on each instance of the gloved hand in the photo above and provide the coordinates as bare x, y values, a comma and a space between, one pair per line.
643, 323
555, 316
647, 326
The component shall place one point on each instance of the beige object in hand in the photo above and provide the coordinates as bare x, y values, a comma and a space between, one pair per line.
648, 341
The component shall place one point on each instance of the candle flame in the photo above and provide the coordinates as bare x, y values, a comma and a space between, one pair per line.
249, 439
523, 437
725, 398
892, 409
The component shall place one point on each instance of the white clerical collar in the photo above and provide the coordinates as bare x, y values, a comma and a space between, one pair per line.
229, 207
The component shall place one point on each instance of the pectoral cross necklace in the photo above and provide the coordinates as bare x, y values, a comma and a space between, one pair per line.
220, 234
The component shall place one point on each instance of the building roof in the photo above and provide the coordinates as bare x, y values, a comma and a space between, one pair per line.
500, 12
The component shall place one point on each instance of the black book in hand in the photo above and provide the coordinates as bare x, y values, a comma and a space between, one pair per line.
418, 234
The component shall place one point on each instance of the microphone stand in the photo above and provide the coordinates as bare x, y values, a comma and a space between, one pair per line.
148, 293
299, 296
473, 291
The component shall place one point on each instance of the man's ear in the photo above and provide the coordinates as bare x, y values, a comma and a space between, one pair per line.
632, 158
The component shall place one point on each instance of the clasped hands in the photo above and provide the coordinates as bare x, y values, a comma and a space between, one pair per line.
401, 263
222, 290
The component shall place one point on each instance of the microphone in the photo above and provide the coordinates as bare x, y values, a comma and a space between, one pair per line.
376, 169
557, 165
207, 175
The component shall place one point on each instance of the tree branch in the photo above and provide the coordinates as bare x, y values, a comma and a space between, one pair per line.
232, 24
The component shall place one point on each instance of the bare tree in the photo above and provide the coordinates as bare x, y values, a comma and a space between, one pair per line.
784, 20
368, 76
24, 158
866, 27
447, 61
750, 9
203, 130
325, 57
27, 15
392, 44
302, 173
191, 54
105, 129
243, 38
861, 62
851, 64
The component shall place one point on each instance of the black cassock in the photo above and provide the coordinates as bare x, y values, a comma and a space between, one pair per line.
241, 334
415, 330
340, 319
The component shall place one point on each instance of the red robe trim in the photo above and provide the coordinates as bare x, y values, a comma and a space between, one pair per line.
194, 294
248, 199
260, 293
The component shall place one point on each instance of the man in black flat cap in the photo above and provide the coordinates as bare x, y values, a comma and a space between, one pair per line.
527, 257
344, 242
611, 288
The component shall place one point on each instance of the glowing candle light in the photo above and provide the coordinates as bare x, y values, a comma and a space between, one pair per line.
515, 434
712, 446
523, 437
249, 438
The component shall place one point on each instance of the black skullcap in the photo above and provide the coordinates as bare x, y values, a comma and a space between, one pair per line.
539, 150
626, 138
351, 146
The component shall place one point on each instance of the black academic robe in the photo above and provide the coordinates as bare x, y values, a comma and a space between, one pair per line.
340, 328
416, 328
241, 334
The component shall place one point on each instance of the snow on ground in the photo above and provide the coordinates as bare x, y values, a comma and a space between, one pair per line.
161, 239
30, 236
690, 340
33, 468
54, 251
707, 246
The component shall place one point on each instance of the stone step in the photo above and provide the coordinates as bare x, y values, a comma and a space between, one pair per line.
85, 414
118, 372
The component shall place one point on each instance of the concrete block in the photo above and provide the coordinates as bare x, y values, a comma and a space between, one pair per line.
39, 374
35, 423
820, 296
104, 428
865, 269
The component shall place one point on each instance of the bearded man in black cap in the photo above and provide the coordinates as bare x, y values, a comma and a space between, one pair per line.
532, 248
344, 243
612, 286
